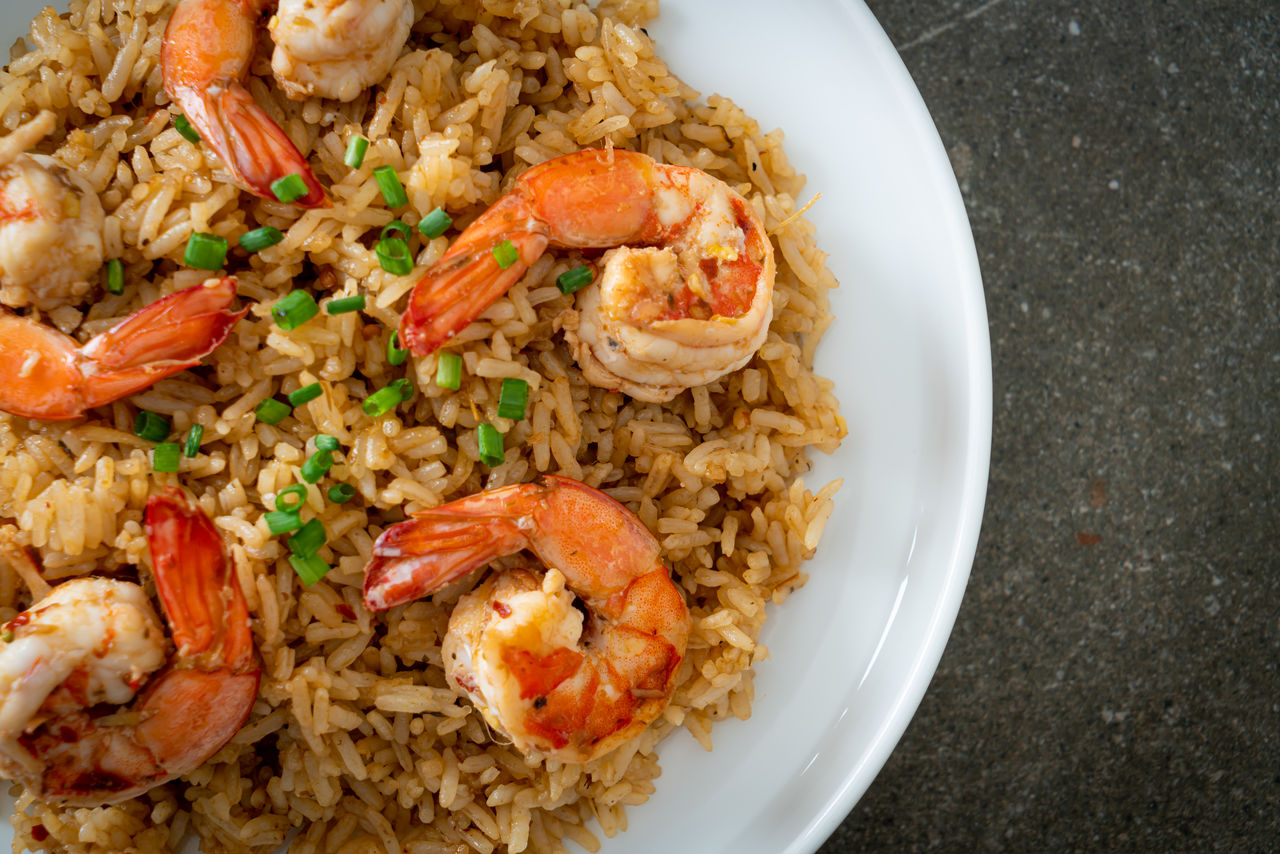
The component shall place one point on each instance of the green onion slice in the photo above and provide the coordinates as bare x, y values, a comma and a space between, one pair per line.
182, 126
574, 280
506, 254
205, 251
285, 502
194, 435
355, 151
341, 493
435, 223
282, 521
325, 442
389, 183
305, 394
342, 305
449, 371
395, 353
309, 539
397, 225
260, 238
382, 401
290, 188
310, 568
165, 457
151, 426
490, 441
271, 411
393, 256
115, 276
316, 466
513, 398
294, 309
404, 386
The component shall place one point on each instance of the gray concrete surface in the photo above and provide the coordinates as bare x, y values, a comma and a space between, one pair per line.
1111, 684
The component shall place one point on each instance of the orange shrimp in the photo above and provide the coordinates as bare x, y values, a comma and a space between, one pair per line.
93, 642
560, 685
685, 298
50, 376
204, 58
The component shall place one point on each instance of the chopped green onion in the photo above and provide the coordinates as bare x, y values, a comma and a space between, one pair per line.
194, 435
397, 225
271, 411
115, 276
345, 304
325, 442
7, 635
290, 188
151, 426
513, 398
404, 387
574, 280
165, 456
395, 353
310, 568
294, 309
449, 371
506, 254
490, 441
282, 521
260, 238
355, 151
389, 183
205, 251
393, 256
309, 539
284, 498
382, 401
316, 466
305, 394
435, 223
341, 493
182, 126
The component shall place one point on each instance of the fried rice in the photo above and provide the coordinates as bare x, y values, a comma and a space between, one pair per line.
356, 744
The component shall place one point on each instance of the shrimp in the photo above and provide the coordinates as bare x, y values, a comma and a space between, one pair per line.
52, 377
93, 642
50, 224
688, 302
204, 58
336, 48
560, 685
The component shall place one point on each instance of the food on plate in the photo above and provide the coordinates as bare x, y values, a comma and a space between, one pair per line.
94, 642
685, 298
336, 48
312, 431
50, 224
53, 377
556, 683
205, 58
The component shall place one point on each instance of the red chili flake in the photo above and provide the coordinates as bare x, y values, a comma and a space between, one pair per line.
39, 833
345, 610
1088, 538
502, 609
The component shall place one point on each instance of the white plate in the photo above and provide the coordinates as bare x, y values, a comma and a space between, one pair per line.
853, 651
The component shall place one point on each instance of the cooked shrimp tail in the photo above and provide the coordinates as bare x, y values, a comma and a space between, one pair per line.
53, 378
468, 278
517, 647
204, 58
95, 640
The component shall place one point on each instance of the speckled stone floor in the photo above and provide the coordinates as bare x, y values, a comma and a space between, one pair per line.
1111, 684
